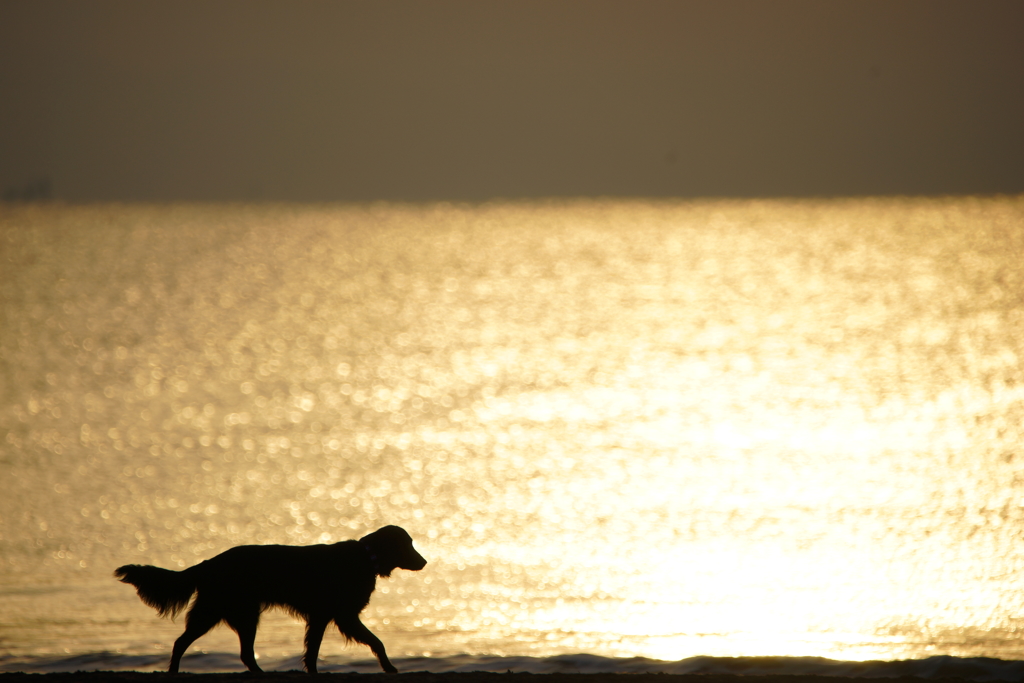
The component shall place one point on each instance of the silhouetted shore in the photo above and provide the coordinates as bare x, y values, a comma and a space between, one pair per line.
424, 677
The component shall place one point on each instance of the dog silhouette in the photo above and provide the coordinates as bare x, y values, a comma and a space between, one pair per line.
319, 583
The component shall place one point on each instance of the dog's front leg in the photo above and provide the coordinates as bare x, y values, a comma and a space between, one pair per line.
357, 631
315, 627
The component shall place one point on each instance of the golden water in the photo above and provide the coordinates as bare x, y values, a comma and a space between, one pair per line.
627, 428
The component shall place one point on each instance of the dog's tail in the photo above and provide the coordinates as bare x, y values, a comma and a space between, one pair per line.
165, 590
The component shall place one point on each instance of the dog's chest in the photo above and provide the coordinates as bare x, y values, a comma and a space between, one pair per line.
351, 586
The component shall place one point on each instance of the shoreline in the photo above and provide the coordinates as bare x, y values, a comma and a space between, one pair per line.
427, 677
221, 668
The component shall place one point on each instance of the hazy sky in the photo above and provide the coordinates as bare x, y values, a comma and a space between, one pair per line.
474, 99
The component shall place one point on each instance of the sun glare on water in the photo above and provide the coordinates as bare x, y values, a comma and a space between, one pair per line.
625, 428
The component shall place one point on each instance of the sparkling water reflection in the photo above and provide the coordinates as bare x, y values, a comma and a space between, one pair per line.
627, 428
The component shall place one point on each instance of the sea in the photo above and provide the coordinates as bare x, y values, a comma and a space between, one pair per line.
743, 436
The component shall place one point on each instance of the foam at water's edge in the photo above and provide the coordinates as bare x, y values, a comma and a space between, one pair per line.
969, 668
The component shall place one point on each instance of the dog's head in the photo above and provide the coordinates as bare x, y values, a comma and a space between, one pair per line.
392, 548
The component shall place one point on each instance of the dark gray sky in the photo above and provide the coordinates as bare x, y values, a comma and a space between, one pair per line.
476, 99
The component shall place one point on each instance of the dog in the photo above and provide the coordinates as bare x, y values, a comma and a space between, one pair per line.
319, 583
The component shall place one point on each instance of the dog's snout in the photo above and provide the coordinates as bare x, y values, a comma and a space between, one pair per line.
415, 561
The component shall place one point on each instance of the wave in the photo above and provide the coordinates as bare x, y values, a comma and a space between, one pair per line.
967, 668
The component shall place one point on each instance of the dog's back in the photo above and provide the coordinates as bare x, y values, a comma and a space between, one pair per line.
302, 579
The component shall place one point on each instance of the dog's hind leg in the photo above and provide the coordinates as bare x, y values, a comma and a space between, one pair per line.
244, 622
200, 619
357, 631
315, 627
